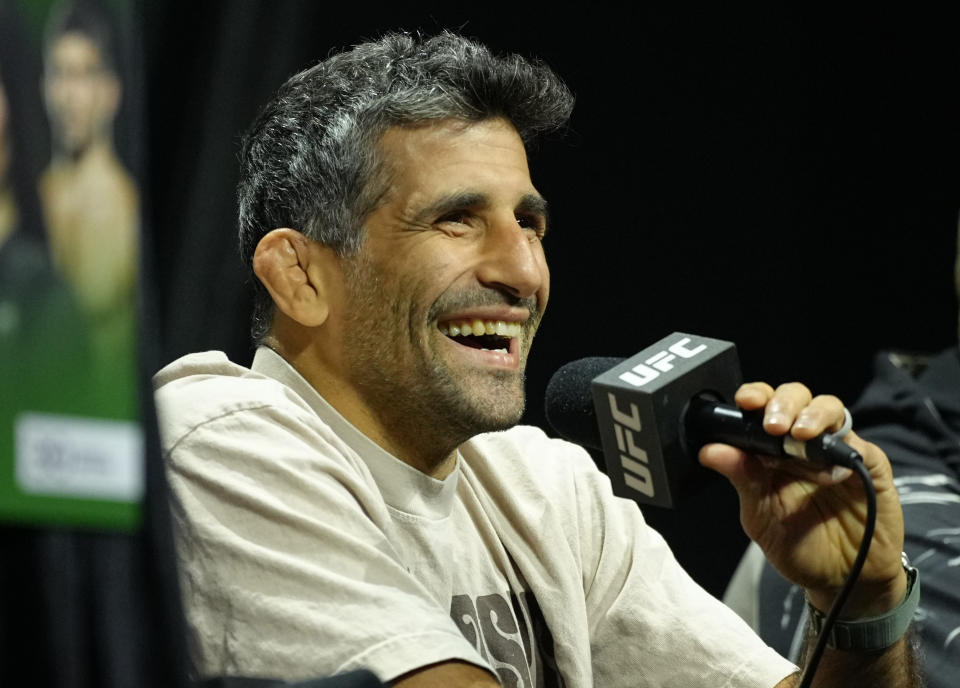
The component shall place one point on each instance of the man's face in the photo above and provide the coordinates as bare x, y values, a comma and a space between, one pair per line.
4, 141
81, 95
454, 248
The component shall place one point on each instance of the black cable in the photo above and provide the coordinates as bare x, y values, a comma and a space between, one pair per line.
837, 607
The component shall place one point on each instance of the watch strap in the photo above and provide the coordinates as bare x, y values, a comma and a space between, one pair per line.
873, 633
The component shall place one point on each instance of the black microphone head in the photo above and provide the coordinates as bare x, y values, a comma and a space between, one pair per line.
569, 401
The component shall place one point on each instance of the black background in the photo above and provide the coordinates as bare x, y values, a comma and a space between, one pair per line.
784, 180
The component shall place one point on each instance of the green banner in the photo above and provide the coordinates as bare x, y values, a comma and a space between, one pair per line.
71, 444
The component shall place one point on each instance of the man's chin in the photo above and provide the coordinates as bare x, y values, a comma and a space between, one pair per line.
481, 401
501, 423
491, 416
73, 144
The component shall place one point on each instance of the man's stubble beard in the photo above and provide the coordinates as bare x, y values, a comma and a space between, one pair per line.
418, 398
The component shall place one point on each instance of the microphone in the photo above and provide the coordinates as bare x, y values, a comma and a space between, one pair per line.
651, 413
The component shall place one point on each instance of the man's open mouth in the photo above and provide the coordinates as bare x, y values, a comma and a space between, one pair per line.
489, 335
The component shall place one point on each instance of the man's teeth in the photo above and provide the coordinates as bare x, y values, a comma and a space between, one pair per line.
479, 327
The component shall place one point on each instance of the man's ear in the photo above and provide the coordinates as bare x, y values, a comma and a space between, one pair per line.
293, 269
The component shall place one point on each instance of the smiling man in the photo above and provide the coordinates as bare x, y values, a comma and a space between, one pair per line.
433, 319
362, 496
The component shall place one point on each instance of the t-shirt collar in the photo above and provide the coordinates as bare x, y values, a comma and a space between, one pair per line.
403, 487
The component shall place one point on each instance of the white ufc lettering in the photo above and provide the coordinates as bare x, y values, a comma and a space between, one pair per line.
643, 373
636, 474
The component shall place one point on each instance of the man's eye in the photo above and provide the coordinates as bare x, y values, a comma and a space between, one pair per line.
534, 223
458, 217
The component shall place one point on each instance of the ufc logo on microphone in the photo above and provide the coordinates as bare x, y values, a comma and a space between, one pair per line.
633, 459
660, 362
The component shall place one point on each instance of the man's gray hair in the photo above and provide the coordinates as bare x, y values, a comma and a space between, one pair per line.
310, 160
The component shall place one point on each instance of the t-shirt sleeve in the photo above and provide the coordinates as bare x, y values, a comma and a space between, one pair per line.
651, 623
610, 589
287, 567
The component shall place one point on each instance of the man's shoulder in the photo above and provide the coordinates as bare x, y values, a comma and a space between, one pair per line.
197, 364
202, 387
202, 374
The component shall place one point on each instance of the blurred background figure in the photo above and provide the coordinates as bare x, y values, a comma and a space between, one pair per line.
90, 201
43, 346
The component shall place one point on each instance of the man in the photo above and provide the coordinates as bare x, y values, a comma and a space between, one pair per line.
90, 201
361, 497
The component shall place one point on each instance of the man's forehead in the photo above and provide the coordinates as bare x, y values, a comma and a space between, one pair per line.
452, 165
419, 151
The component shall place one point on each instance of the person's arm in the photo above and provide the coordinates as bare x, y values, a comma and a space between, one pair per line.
447, 675
896, 666
809, 525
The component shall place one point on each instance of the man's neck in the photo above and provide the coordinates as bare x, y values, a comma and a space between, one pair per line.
414, 448
99, 152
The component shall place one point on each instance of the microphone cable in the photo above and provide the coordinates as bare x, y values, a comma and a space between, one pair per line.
869, 526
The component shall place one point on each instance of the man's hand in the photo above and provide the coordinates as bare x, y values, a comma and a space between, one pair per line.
810, 523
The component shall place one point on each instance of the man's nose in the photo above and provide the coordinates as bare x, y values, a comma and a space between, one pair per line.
512, 260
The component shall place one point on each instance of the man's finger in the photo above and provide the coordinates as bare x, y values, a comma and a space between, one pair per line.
753, 395
782, 410
824, 413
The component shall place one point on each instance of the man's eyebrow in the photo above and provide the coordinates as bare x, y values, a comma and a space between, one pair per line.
453, 201
533, 204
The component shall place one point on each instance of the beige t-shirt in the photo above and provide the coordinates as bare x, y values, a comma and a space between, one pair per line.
306, 550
